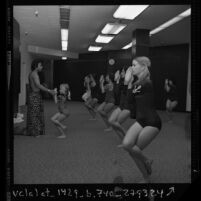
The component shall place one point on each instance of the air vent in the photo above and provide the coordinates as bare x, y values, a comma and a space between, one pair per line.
64, 24
64, 17
65, 13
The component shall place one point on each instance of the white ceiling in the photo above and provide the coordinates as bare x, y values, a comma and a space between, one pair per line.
86, 22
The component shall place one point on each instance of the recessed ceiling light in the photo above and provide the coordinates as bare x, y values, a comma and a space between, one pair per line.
64, 45
94, 48
171, 22
186, 13
129, 12
64, 34
104, 39
127, 46
64, 58
113, 28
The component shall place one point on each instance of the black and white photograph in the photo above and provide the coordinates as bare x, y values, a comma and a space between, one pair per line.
101, 94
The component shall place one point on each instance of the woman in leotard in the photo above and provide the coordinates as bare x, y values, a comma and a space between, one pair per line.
63, 112
123, 110
148, 122
172, 99
117, 84
93, 99
101, 94
87, 95
87, 92
107, 106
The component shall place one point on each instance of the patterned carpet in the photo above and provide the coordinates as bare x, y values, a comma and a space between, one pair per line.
90, 155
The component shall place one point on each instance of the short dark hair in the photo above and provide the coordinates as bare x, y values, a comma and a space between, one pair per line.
35, 63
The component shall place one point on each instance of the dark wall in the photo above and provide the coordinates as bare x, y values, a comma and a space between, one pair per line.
46, 77
93, 55
15, 72
170, 62
121, 58
167, 61
73, 73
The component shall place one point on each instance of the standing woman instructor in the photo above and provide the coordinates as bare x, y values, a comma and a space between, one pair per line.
35, 108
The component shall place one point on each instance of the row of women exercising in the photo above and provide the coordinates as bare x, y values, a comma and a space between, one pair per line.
127, 89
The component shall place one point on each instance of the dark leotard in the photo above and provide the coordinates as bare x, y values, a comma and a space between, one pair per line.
109, 95
131, 103
146, 114
117, 92
62, 103
123, 100
127, 101
94, 92
172, 93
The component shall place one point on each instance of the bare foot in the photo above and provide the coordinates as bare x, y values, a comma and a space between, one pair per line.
64, 127
148, 164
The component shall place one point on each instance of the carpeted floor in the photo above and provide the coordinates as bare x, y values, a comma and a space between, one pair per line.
90, 155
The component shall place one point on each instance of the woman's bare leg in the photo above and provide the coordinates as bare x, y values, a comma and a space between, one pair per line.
57, 120
58, 125
62, 117
144, 139
140, 138
63, 135
170, 105
113, 118
122, 117
114, 115
104, 113
90, 108
54, 119
93, 104
128, 142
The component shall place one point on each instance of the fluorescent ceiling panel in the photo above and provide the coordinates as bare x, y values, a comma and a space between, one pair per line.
111, 28
186, 13
64, 48
64, 58
94, 48
127, 46
129, 12
64, 34
171, 22
156, 30
104, 39
64, 45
